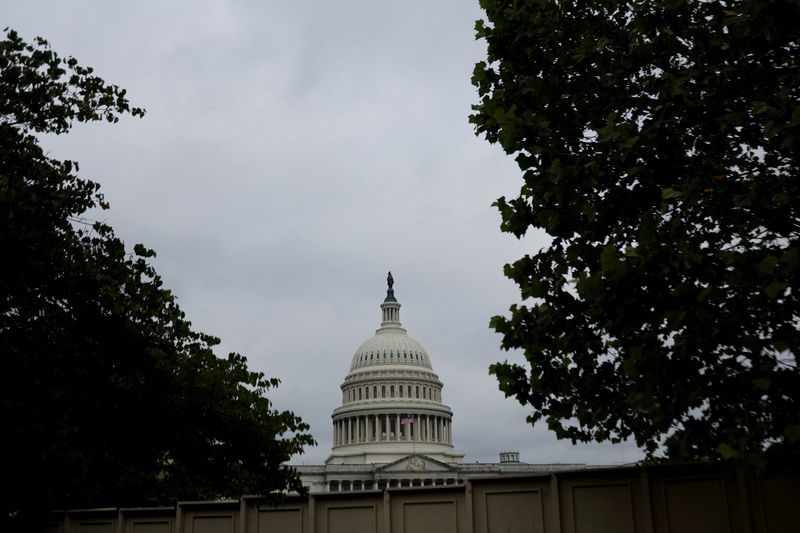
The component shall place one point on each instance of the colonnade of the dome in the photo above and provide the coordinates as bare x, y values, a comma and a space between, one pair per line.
392, 427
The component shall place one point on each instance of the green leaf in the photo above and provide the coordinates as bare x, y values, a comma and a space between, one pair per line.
767, 265
775, 288
727, 452
762, 383
609, 259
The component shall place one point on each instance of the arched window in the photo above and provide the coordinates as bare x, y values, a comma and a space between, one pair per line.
366, 392
383, 391
417, 391
359, 393
400, 391
424, 393
375, 392
391, 391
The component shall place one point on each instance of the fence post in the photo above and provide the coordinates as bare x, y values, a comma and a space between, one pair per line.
647, 501
744, 503
311, 523
555, 503
469, 526
387, 511
178, 517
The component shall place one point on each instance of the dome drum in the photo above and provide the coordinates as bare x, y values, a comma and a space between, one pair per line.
391, 389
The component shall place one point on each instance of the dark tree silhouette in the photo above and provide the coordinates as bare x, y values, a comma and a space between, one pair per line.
659, 147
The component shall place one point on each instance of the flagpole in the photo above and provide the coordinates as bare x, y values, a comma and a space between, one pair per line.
414, 440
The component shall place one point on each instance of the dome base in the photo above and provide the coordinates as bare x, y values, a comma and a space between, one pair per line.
388, 453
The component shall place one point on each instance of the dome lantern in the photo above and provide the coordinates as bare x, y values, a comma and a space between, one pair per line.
390, 307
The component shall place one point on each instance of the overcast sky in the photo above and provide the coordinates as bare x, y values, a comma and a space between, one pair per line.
293, 153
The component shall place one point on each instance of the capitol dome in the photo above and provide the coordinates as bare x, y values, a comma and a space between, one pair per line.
391, 400
390, 346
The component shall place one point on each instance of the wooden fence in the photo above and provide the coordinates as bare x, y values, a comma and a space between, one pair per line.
676, 499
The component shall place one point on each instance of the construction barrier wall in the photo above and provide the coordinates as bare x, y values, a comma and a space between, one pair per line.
653, 499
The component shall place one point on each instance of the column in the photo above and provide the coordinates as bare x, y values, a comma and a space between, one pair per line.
396, 427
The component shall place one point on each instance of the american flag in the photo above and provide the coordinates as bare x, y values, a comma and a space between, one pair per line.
407, 420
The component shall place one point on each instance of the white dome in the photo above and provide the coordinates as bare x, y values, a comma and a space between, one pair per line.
390, 346
391, 400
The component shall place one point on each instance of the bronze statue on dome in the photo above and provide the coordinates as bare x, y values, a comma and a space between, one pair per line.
390, 291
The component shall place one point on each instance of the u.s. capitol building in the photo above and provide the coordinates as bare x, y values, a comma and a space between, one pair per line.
392, 428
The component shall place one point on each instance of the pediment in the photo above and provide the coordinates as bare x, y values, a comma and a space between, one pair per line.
415, 463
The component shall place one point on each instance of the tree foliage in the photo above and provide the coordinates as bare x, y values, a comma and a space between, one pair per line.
659, 141
108, 397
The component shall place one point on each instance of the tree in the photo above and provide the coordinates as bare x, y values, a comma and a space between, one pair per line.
659, 147
108, 397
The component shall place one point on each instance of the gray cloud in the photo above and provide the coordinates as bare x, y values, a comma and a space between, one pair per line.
294, 152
